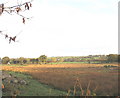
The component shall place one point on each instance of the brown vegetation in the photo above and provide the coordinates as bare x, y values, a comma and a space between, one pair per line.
63, 76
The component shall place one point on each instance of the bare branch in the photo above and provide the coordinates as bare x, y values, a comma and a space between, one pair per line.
19, 5
15, 9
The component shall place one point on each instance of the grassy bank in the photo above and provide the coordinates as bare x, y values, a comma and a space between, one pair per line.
33, 87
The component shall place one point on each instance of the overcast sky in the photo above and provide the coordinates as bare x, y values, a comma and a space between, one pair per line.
62, 28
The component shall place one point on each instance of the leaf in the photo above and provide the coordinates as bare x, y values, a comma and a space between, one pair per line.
30, 5
27, 6
18, 9
24, 20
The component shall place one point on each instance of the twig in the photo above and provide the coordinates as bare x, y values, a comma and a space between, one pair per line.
23, 16
17, 5
8, 12
15, 8
88, 91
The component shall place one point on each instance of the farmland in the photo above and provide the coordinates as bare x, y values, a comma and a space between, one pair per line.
103, 81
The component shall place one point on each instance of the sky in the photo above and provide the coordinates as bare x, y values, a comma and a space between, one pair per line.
61, 28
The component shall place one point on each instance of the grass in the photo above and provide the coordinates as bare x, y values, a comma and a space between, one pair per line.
13, 65
67, 62
34, 87
79, 91
63, 76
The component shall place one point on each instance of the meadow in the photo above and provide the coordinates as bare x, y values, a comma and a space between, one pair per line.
31, 87
74, 78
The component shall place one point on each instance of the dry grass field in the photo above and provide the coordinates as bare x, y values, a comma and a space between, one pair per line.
103, 81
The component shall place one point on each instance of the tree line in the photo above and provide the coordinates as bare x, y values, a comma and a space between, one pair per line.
22, 60
43, 59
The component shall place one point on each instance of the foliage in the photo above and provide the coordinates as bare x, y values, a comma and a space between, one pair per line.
60, 59
34, 60
118, 58
53, 59
21, 59
5, 60
112, 58
43, 59
14, 61
93, 59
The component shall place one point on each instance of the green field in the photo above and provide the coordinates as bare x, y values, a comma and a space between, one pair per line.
67, 62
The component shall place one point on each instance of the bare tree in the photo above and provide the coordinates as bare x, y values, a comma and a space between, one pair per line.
16, 9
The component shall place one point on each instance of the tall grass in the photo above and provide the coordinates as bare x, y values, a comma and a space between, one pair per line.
63, 77
79, 91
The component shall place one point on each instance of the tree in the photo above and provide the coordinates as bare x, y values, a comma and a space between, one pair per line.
21, 60
43, 59
60, 60
37, 60
0, 60
33, 61
112, 58
53, 59
15, 9
118, 58
25, 61
15, 61
5, 60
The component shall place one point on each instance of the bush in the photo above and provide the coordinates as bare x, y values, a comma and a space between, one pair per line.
108, 66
